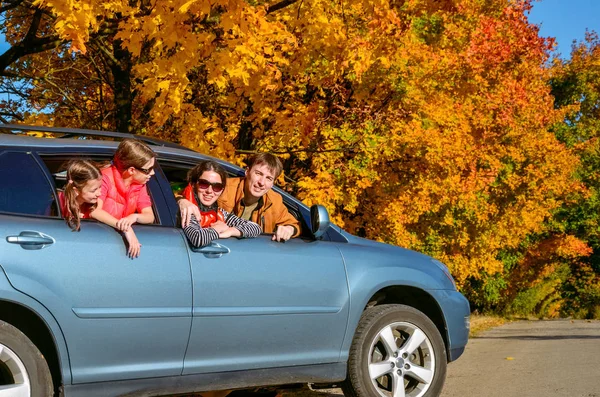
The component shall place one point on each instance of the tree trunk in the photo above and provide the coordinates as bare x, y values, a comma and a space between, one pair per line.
121, 72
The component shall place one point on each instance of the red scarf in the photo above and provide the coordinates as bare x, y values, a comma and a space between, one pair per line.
207, 217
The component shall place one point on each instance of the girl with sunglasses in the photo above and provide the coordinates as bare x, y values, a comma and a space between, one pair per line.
124, 199
206, 182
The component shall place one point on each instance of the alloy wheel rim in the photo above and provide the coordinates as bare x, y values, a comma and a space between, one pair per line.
14, 380
401, 361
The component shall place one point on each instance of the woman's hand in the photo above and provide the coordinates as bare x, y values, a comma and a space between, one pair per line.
230, 232
133, 251
124, 224
220, 226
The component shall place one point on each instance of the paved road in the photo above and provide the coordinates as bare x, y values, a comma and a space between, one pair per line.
530, 358
559, 358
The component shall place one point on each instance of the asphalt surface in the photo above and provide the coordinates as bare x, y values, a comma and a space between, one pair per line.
529, 358
557, 358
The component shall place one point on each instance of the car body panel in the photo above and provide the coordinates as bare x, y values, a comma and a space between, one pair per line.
456, 311
111, 308
267, 304
373, 266
9, 294
318, 373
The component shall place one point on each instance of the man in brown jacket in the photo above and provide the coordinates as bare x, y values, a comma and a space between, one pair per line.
252, 198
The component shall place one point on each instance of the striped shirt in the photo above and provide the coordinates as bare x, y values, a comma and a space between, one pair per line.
200, 237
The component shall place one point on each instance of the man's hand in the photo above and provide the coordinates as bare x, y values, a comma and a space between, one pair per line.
187, 209
283, 233
124, 224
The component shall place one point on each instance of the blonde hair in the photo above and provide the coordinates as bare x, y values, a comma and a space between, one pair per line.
79, 173
132, 153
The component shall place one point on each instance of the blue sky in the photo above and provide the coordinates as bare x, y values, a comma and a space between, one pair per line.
566, 20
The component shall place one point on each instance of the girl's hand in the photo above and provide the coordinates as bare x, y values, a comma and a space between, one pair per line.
220, 226
124, 224
133, 251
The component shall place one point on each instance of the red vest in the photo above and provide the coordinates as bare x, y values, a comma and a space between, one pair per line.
119, 201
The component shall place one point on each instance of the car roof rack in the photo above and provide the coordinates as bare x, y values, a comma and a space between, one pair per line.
79, 132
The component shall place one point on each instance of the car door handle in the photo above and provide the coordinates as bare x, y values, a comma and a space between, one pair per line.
213, 250
31, 240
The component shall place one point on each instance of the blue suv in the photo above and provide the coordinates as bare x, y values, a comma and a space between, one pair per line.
80, 318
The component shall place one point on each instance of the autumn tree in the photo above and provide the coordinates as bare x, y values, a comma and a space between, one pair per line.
576, 87
422, 123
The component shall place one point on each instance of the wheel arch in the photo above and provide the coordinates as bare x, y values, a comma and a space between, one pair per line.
397, 293
35, 328
414, 297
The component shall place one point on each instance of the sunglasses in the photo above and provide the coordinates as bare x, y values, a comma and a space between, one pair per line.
146, 171
216, 186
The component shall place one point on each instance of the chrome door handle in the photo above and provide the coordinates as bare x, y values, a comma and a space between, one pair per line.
31, 240
213, 250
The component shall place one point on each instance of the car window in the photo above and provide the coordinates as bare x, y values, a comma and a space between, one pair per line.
176, 174
24, 188
57, 166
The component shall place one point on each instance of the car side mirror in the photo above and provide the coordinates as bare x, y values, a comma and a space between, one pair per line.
319, 220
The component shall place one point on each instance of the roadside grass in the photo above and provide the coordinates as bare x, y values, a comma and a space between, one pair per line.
483, 322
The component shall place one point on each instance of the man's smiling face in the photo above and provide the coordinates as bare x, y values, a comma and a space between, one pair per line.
259, 179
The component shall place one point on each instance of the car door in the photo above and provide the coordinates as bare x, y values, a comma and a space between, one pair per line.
262, 304
121, 318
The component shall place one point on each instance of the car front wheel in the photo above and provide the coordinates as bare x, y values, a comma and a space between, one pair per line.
23, 370
397, 351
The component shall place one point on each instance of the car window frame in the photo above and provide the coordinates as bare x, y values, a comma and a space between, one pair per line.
44, 170
100, 155
234, 171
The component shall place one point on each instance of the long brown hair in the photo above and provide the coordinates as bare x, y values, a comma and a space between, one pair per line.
132, 153
205, 165
79, 173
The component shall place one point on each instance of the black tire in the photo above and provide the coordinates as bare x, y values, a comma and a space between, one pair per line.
422, 373
21, 363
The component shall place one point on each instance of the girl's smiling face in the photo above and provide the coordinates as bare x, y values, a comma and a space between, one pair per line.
209, 187
90, 192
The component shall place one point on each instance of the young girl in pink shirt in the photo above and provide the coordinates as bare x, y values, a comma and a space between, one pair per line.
124, 199
80, 195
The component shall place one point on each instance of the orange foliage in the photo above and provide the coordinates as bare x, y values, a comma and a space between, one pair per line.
423, 123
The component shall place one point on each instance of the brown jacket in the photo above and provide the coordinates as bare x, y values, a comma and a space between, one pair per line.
270, 213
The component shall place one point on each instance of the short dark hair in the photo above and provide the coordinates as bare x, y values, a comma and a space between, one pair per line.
206, 165
270, 160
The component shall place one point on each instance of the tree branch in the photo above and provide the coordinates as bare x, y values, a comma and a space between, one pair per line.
33, 28
280, 5
103, 48
349, 149
33, 45
20, 50
10, 5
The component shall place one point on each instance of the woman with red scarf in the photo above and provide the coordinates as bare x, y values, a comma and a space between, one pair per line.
206, 182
